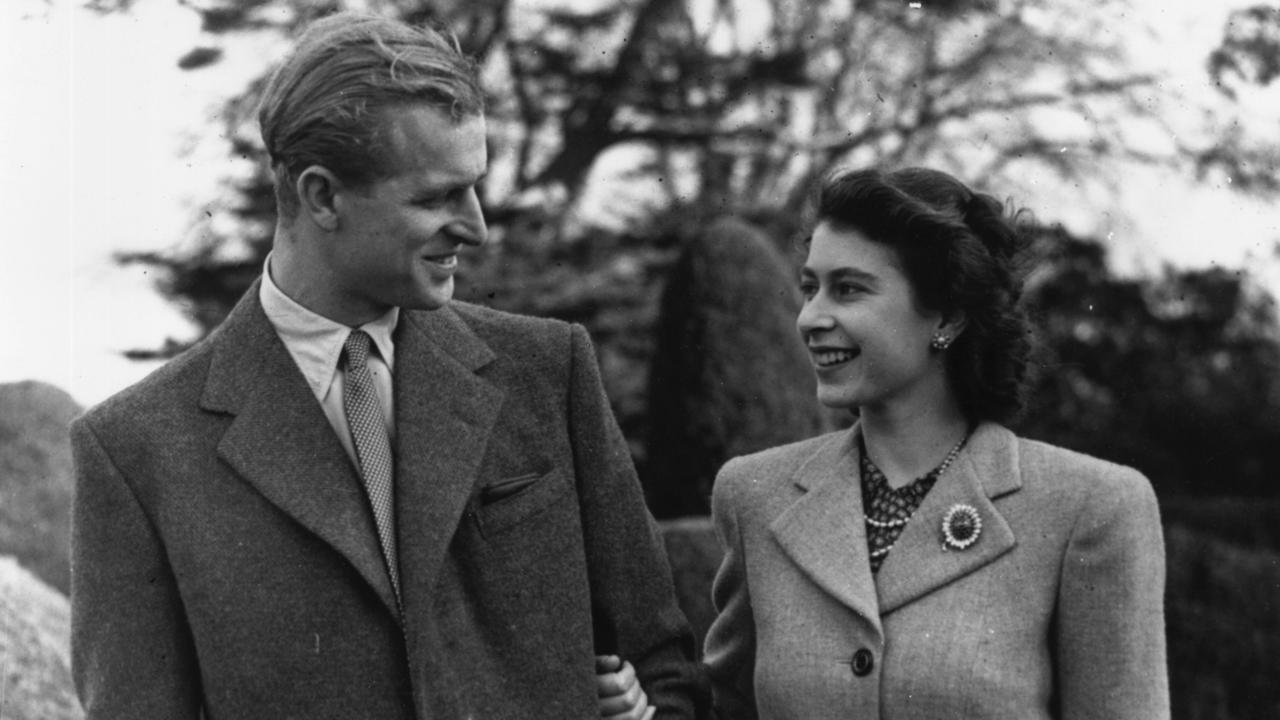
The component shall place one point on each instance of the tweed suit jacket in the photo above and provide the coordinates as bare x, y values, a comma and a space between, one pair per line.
1055, 612
225, 559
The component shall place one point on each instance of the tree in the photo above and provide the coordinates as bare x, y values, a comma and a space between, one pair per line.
1177, 375
729, 376
740, 107
737, 106
1248, 56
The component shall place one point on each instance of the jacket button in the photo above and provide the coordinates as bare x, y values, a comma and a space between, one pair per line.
862, 663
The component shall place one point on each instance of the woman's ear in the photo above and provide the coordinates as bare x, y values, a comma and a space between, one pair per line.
317, 190
949, 328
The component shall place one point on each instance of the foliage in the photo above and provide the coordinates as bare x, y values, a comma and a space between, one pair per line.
1250, 48
694, 555
1178, 376
1224, 628
738, 104
1249, 55
728, 375
1243, 521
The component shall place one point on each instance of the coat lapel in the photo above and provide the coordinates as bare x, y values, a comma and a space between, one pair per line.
919, 562
445, 413
823, 531
281, 442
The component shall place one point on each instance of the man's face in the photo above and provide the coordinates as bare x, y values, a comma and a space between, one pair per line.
397, 240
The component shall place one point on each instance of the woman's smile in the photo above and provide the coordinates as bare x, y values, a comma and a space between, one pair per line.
832, 357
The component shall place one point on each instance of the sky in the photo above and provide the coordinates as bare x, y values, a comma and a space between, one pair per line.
108, 149
106, 146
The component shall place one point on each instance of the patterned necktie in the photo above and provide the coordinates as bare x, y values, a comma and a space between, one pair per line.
373, 447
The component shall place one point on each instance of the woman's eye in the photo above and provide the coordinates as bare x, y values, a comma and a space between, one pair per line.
808, 289
848, 289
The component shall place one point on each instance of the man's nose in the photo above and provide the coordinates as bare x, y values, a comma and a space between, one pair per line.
469, 227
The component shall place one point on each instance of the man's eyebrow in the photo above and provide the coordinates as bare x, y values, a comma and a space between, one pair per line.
449, 184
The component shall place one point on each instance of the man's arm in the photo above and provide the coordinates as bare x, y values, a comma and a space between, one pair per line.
633, 604
131, 652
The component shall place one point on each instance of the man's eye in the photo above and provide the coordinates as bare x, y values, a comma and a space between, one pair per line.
808, 289
848, 289
442, 199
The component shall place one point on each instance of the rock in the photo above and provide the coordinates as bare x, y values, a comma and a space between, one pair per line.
35, 654
36, 478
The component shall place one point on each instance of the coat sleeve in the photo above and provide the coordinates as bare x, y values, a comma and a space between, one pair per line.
634, 608
131, 652
730, 646
1110, 633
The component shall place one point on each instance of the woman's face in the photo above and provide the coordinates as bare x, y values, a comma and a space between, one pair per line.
866, 335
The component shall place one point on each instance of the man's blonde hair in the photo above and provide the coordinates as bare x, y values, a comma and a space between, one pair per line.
324, 105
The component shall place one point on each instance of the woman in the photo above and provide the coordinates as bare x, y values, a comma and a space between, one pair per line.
928, 563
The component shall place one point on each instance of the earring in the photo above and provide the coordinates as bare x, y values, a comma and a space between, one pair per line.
940, 342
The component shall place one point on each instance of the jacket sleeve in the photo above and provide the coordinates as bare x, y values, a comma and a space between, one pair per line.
1110, 632
634, 608
131, 652
731, 641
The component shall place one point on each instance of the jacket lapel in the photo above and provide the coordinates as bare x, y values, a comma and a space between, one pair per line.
281, 442
445, 413
919, 562
823, 532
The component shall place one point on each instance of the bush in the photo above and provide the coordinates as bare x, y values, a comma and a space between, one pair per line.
1177, 375
729, 375
1223, 612
1249, 522
694, 554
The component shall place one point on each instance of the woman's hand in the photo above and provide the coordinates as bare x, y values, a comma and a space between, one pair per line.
621, 697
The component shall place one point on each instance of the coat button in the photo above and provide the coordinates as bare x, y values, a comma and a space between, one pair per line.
862, 663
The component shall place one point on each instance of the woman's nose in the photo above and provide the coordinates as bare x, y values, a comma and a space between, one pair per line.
813, 316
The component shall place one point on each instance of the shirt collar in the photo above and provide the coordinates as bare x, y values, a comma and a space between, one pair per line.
315, 341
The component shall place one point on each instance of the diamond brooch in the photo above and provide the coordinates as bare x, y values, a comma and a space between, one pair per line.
961, 527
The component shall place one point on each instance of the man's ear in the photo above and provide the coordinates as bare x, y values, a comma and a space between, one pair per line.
317, 191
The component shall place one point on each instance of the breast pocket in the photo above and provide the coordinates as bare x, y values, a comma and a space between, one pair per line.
506, 503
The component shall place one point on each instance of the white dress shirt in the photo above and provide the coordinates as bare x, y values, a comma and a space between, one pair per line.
315, 342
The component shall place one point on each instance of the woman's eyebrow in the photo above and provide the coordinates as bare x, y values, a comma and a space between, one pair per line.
843, 273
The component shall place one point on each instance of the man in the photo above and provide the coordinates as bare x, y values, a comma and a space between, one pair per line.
356, 498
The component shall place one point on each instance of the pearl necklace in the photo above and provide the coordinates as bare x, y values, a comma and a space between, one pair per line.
936, 473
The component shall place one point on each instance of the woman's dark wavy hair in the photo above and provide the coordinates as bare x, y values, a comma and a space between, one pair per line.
960, 252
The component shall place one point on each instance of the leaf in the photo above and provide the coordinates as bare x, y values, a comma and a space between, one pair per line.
200, 57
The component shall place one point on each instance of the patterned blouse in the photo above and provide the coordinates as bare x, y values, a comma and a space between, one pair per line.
887, 509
